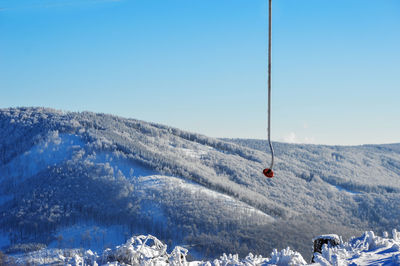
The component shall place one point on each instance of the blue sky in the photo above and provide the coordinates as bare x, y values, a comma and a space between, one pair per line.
200, 65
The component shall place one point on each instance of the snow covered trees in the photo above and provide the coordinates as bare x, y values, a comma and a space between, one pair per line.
58, 169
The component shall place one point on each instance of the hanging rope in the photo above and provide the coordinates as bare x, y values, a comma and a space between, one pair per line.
268, 171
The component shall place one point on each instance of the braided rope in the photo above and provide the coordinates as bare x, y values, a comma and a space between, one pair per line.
269, 83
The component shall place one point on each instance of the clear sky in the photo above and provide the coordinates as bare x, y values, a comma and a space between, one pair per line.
200, 65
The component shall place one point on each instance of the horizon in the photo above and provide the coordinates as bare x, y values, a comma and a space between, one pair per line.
201, 66
221, 138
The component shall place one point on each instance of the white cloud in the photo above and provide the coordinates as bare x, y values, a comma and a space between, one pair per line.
290, 138
309, 140
293, 138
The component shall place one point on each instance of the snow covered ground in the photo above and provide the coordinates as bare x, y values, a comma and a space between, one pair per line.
367, 249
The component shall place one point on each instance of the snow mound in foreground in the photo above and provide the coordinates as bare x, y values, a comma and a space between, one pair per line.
368, 249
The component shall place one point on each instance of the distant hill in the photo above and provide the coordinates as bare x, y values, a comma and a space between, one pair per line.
92, 180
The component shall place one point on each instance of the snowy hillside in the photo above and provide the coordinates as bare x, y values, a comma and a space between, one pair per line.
86, 180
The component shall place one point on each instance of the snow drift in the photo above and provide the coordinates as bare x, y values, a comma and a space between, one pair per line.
367, 249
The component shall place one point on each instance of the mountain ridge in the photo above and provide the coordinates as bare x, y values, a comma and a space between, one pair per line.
95, 167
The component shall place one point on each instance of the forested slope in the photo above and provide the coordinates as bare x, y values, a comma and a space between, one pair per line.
63, 169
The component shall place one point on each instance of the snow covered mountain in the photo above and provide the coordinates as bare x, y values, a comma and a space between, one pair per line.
91, 180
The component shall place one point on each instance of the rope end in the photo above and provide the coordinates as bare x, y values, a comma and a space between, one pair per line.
268, 172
